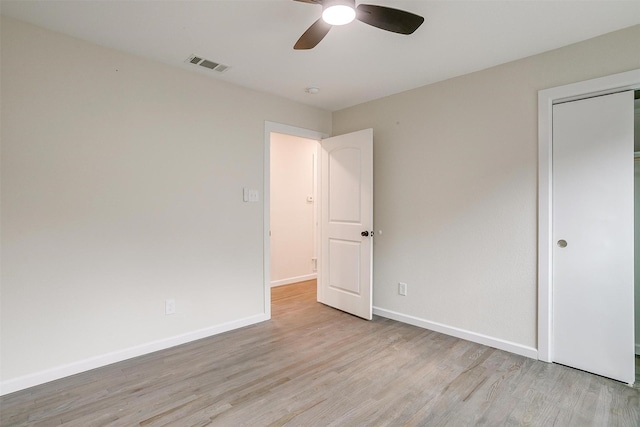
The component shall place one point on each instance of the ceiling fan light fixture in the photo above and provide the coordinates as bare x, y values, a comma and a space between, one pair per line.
339, 12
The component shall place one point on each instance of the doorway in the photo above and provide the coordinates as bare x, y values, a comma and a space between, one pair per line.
287, 132
294, 224
547, 98
344, 209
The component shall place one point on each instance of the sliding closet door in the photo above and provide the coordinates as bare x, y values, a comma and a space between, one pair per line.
593, 235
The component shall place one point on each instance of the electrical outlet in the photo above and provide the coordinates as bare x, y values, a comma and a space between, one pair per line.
402, 289
170, 306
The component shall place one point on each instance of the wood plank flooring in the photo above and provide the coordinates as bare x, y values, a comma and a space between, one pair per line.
315, 366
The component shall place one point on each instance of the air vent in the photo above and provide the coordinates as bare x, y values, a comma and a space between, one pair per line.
206, 63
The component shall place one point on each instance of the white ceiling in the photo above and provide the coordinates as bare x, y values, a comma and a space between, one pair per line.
354, 63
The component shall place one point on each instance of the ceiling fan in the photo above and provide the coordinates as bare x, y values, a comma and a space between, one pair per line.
340, 12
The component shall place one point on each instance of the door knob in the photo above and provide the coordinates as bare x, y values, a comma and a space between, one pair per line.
562, 243
366, 233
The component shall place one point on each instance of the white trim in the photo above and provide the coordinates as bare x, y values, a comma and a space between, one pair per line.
629, 80
58, 372
291, 280
316, 203
287, 130
498, 343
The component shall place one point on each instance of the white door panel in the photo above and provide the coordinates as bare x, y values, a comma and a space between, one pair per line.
345, 280
344, 265
593, 213
344, 182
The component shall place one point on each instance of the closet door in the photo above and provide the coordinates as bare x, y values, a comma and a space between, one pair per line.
593, 235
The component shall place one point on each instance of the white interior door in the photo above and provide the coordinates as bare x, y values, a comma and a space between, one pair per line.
346, 223
593, 235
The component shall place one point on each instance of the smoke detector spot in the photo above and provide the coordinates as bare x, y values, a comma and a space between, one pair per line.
207, 63
312, 90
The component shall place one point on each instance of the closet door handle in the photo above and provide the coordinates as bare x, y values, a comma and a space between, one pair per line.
562, 243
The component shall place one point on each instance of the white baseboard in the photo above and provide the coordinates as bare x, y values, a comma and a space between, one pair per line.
58, 372
459, 333
291, 280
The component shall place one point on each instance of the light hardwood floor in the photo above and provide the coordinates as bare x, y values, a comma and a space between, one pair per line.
315, 366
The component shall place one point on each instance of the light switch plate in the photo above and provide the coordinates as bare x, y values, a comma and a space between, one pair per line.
402, 289
170, 306
254, 196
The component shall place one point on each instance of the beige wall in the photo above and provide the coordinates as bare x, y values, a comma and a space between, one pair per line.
122, 187
292, 216
456, 188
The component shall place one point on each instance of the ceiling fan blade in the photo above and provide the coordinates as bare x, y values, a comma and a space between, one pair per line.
314, 34
386, 18
310, 1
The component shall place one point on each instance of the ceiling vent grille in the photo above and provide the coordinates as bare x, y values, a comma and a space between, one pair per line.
206, 63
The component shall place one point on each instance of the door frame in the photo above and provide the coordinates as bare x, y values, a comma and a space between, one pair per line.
629, 80
270, 127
